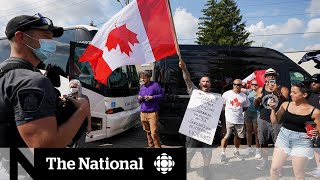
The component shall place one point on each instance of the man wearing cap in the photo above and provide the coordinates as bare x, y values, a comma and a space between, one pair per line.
149, 97
314, 100
278, 93
27, 98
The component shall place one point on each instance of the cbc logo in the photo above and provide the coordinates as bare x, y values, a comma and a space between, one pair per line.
164, 163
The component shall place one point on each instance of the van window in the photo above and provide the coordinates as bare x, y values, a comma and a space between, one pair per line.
221, 70
296, 77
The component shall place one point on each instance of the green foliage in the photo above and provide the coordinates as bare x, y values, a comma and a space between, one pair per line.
221, 25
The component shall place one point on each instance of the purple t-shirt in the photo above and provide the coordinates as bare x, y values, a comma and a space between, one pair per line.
152, 89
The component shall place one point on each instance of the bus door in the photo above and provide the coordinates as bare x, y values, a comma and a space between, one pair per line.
90, 87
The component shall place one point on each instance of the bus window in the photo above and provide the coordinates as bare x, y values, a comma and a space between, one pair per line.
122, 82
4, 49
119, 78
81, 70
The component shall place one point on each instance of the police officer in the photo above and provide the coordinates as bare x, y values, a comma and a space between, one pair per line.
27, 98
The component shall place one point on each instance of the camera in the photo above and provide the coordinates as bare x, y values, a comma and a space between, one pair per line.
272, 82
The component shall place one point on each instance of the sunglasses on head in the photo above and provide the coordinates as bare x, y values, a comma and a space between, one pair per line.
39, 21
301, 85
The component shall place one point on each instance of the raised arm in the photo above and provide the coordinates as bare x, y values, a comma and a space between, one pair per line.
276, 116
257, 99
316, 117
284, 94
185, 73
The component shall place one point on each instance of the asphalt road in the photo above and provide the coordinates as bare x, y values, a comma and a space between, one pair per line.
233, 169
134, 138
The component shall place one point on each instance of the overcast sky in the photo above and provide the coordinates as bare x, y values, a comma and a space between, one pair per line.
284, 25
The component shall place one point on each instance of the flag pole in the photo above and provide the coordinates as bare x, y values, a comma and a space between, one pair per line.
174, 30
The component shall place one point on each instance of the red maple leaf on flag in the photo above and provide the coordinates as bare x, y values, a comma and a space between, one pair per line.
121, 36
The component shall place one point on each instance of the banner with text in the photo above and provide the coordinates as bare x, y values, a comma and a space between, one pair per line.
113, 163
202, 116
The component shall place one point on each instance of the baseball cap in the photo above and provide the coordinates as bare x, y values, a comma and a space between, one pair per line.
26, 22
315, 77
271, 71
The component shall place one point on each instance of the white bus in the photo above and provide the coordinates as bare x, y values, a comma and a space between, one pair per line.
114, 108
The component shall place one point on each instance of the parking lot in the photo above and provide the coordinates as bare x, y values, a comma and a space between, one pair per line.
233, 169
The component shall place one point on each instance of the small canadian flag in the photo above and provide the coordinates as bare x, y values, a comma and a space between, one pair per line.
142, 32
258, 75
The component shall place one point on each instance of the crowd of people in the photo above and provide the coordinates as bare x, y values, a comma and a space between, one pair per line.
272, 112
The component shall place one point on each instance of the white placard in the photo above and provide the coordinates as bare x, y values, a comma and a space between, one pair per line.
202, 116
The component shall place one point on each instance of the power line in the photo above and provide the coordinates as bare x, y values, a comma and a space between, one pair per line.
20, 6
44, 6
61, 8
284, 2
284, 34
30, 9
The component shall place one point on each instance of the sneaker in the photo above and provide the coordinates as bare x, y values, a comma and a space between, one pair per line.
223, 158
237, 155
316, 173
262, 166
248, 151
252, 150
258, 154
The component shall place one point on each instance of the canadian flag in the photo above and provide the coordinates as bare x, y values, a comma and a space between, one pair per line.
142, 32
258, 75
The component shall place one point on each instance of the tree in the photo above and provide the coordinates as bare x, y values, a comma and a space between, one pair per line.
221, 25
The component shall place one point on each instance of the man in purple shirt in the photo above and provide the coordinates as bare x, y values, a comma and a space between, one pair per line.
149, 97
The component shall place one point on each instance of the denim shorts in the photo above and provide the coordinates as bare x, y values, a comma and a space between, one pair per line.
295, 143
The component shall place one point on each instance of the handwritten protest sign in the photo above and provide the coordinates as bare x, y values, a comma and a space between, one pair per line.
202, 116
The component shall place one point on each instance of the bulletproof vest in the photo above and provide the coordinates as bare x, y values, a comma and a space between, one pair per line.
9, 135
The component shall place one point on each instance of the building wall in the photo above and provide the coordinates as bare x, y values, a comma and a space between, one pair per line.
308, 66
143, 67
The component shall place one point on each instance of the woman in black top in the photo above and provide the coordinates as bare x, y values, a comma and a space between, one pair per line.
293, 140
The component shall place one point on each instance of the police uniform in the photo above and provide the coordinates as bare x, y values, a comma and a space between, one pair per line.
25, 95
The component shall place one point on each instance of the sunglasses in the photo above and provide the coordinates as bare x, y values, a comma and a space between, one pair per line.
39, 21
271, 75
301, 85
237, 84
254, 84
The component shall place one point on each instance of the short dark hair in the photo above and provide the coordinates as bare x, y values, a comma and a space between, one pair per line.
206, 77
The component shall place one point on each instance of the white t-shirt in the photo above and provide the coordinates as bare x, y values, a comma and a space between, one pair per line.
234, 106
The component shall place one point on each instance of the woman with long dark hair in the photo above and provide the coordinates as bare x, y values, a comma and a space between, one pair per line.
293, 139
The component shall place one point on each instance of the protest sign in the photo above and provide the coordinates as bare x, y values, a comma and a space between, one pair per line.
202, 116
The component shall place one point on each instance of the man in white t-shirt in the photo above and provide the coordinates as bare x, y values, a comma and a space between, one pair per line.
235, 103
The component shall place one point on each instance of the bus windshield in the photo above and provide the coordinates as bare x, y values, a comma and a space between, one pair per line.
122, 82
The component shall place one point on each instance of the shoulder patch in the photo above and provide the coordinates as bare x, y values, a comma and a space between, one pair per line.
30, 99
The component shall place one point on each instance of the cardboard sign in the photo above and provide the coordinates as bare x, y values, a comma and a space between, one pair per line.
202, 116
